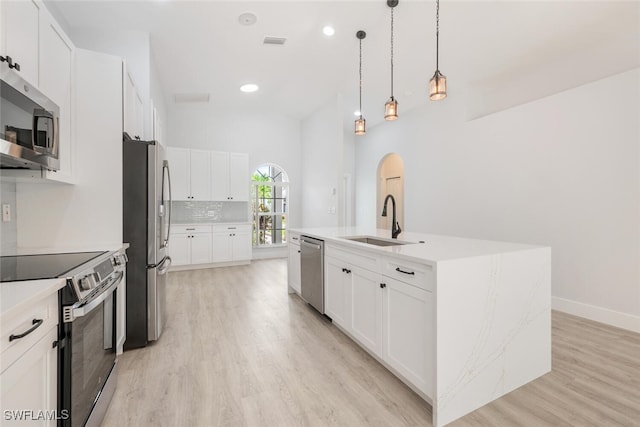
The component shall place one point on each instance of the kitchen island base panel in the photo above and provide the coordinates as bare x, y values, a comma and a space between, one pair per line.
493, 328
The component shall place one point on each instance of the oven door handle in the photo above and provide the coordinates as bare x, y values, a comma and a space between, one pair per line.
83, 310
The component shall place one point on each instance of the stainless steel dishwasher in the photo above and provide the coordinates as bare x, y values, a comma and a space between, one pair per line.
312, 271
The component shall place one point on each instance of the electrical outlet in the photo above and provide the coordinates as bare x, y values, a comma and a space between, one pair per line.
6, 212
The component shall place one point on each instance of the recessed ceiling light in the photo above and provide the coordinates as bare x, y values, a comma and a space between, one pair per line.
328, 30
249, 87
247, 18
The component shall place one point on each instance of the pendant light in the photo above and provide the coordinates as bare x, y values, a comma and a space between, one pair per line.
361, 123
438, 83
391, 106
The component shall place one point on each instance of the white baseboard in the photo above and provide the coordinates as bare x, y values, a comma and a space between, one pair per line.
202, 266
598, 314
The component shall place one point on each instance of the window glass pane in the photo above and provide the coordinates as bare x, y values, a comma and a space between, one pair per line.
270, 205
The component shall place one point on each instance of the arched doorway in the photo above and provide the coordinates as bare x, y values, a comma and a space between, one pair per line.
390, 180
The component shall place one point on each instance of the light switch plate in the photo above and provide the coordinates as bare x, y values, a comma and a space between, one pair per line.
6, 212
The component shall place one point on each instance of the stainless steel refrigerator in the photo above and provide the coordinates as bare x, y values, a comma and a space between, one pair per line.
146, 227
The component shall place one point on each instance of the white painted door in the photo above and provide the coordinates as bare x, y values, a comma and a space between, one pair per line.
180, 249
241, 250
294, 268
180, 174
219, 175
239, 177
30, 382
56, 56
201, 248
408, 317
222, 246
200, 175
337, 289
366, 308
20, 29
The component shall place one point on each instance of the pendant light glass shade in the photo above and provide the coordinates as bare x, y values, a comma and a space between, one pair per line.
391, 109
391, 106
361, 123
438, 83
438, 86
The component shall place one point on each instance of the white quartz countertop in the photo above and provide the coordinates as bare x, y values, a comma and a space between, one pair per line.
67, 249
15, 297
434, 249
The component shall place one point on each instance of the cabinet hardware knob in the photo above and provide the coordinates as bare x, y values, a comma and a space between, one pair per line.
36, 323
383, 285
347, 271
3, 58
411, 273
298, 250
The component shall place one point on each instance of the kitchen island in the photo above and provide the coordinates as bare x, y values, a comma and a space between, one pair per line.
460, 321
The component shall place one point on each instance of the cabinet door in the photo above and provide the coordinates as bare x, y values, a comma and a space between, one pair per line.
241, 248
239, 177
129, 104
20, 29
221, 246
180, 249
293, 270
219, 175
30, 382
408, 325
178, 159
337, 289
200, 175
201, 248
138, 115
55, 82
366, 308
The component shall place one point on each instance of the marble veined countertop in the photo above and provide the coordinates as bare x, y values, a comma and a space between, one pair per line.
424, 247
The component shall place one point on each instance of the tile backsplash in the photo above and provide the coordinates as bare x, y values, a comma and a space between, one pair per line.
195, 212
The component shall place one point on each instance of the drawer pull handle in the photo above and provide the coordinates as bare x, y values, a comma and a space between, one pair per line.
190, 229
36, 323
412, 273
383, 285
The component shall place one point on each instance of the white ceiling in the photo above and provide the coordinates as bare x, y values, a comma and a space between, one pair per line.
199, 46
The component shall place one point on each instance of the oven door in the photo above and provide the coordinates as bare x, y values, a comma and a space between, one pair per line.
88, 358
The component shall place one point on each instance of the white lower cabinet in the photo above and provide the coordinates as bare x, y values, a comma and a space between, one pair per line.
407, 329
190, 245
29, 365
231, 242
392, 318
293, 272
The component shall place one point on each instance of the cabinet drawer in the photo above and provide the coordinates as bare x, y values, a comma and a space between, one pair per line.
238, 228
45, 310
419, 275
190, 229
363, 260
294, 237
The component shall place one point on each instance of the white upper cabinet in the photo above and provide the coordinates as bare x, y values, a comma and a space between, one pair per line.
20, 29
133, 107
56, 65
190, 173
230, 176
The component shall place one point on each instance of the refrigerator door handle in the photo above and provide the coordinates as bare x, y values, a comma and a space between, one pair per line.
164, 265
165, 167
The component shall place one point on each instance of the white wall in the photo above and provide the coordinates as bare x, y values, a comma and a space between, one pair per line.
562, 171
9, 229
323, 166
266, 137
88, 214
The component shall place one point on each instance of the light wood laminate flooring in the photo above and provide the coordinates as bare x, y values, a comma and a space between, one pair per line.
238, 350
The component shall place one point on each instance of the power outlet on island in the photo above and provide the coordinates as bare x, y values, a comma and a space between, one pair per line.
6, 212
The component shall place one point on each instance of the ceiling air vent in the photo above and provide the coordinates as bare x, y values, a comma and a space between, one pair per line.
274, 40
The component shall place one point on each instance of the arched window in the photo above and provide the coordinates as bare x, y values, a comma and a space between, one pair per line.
270, 205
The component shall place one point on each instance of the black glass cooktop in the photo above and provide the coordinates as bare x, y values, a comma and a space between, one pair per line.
47, 266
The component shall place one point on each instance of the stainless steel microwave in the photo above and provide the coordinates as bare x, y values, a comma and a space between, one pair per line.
28, 126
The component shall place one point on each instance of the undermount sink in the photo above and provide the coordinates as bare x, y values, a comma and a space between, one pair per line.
377, 241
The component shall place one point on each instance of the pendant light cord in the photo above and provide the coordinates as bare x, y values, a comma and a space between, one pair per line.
392, 52
437, 32
360, 78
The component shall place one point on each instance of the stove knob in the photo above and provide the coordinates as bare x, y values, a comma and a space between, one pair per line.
87, 282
